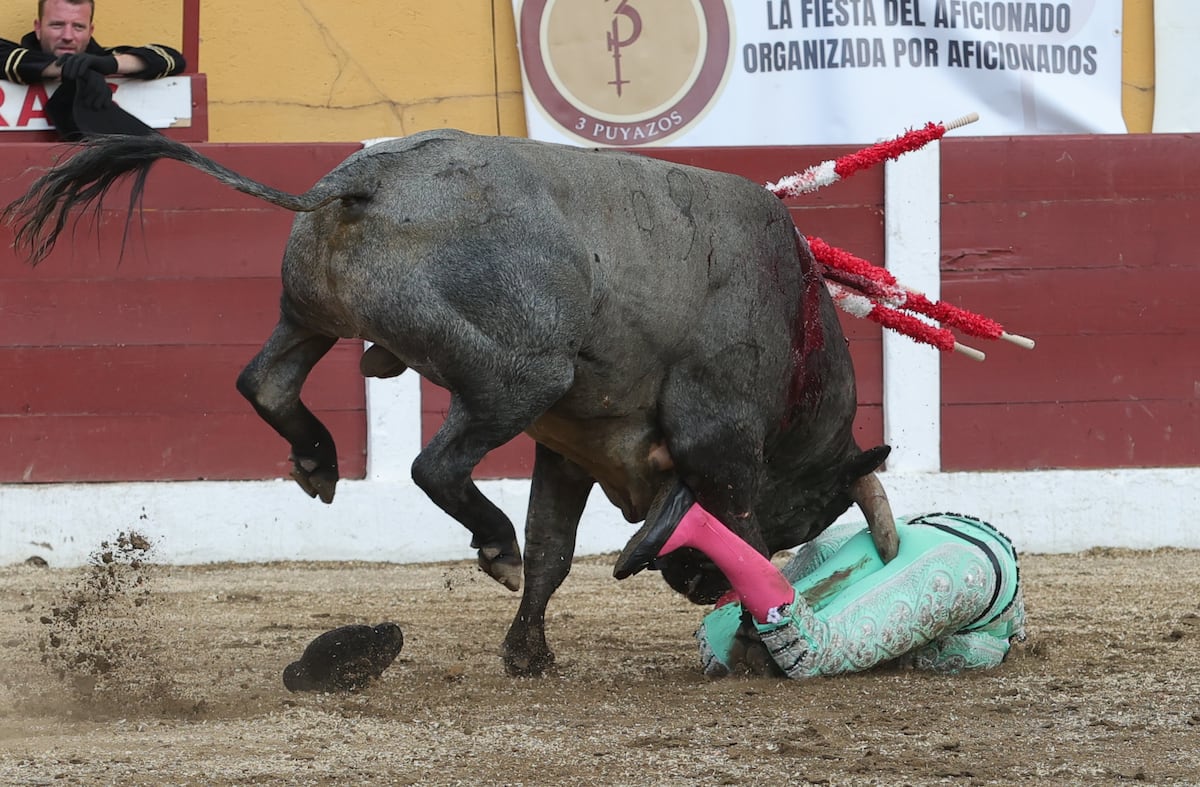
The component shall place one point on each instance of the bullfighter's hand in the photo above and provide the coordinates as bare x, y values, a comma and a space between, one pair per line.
749, 651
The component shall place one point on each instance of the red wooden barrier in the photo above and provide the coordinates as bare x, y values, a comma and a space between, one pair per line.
124, 371
1088, 245
121, 369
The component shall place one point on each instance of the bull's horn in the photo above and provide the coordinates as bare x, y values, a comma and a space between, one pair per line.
868, 493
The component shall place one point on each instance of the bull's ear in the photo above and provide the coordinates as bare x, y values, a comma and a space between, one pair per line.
867, 462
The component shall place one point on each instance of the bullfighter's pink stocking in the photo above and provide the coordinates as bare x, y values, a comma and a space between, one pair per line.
760, 585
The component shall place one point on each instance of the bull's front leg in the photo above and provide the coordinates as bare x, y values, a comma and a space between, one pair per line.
557, 497
272, 383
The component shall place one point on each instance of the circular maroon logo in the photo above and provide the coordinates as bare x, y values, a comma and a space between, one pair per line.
625, 72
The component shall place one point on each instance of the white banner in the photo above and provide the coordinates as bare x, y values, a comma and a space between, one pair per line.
159, 103
1176, 85
803, 72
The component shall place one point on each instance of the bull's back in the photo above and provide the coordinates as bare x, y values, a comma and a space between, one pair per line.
685, 262
657, 261
646, 224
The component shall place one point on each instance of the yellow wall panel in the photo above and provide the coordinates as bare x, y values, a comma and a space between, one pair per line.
331, 75
1137, 66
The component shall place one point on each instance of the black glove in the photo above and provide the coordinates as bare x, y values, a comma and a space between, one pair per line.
75, 66
93, 92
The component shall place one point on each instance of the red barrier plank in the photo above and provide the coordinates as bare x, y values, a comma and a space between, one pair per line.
1082, 243
291, 167
768, 164
1158, 167
160, 448
514, 459
171, 380
856, 229
1082, 303
201, 268
1089, 234
1031, 436
1069, 369
867, 357
146, 312
868, 426
219, 244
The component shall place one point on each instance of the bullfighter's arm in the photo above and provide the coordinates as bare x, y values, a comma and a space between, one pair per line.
811, 555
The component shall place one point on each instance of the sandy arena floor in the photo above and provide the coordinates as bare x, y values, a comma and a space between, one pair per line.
172, 676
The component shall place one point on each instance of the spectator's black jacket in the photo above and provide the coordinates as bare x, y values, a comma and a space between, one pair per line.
23, 62
83, 107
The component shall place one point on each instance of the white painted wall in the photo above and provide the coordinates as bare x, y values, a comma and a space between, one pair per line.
912, 372
1176, 80
202, 522
386, 518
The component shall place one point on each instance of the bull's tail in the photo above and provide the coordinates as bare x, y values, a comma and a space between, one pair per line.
83, 180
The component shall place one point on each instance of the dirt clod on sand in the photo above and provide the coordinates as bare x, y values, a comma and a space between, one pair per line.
171, 675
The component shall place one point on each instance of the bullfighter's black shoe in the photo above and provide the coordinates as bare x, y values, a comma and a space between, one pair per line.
660, 523
345, 659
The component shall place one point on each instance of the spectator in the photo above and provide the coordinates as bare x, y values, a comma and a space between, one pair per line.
61, 47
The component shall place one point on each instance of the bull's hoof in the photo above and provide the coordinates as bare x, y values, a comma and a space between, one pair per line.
526, 663
320, 482
661, 522
502, 566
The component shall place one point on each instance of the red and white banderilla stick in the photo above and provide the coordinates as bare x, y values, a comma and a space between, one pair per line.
829, 172
880, 285
867, 291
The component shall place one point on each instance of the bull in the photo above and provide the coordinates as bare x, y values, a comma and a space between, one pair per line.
653, 327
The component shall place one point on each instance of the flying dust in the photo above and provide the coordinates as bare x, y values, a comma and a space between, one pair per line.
101, 636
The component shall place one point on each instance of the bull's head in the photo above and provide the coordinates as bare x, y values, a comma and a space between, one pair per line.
786, 516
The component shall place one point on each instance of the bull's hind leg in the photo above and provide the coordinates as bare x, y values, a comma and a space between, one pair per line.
272, 383
489, 418
557, 497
